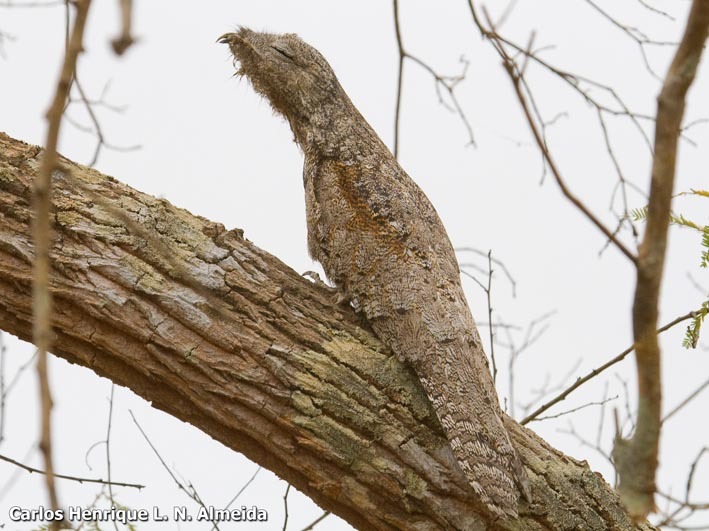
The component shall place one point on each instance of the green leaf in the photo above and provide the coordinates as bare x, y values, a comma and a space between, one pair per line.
691, 336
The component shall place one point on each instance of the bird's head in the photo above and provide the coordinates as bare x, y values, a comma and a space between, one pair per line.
292, 75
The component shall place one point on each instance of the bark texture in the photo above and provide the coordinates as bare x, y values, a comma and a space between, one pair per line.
637, 458
224, 336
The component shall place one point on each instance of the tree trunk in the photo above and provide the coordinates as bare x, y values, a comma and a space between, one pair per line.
220, 334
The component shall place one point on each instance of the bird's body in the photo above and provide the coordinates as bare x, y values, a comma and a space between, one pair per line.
381, 242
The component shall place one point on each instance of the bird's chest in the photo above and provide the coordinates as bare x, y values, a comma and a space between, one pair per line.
347, 231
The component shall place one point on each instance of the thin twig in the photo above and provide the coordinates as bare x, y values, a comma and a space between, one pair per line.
125, 39
95, 128
186, 489
686, 401
579, 408
656, 10
399, 79
243, 488
595, 372
71, 478
108, 449
640, 38
41, 297
315, 522
49, 3
495, 261
285, 505
515, 76
576, 82
3, 353
447, 82
488, 292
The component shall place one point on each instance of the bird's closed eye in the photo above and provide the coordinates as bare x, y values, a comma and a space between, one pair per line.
283, 52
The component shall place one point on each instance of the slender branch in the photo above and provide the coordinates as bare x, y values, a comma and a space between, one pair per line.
552, 164
3, 354
636, 459
595, 372
580, 84
285, 506
399, 79
315, 522
447, 82
686, 401
578, 408
187, 489
71, 478
637, 35
243, 487
488, 292
42, 304
49, 3
108, 441
495, 261
655, 10
125, 39
517, 78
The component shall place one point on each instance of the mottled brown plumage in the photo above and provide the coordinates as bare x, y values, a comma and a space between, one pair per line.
381, 242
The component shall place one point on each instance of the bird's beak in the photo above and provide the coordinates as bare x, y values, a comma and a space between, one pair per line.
227, 38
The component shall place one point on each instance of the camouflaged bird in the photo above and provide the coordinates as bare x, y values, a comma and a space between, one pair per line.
381, 242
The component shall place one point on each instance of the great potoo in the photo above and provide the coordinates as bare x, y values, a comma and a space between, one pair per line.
381, 242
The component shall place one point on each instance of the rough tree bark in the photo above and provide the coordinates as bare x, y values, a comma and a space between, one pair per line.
636, 458
220, 334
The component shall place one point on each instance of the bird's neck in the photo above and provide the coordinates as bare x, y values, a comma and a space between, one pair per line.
334, 130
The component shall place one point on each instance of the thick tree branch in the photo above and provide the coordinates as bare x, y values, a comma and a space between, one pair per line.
224, 336
636, 459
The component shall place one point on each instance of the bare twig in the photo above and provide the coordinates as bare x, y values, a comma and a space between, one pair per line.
495, 261
598, 370
640, 38
108, 449
686, 401
448, 83
488, 292
10, 481
585, 442
315, 522
636, 459
48, 3
285, 505
18, 374
674, 517
243, 488
187, 489
582, 85
42, 304
71, 478
487, 288
545, 389
95, 127
124, 40
3, 353
399, 79
533, 333
586, 88
516, 77
574, 410
656, 10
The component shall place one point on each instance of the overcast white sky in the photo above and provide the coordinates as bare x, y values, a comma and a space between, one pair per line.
210, 145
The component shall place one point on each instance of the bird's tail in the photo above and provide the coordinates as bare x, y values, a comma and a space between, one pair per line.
470, 415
